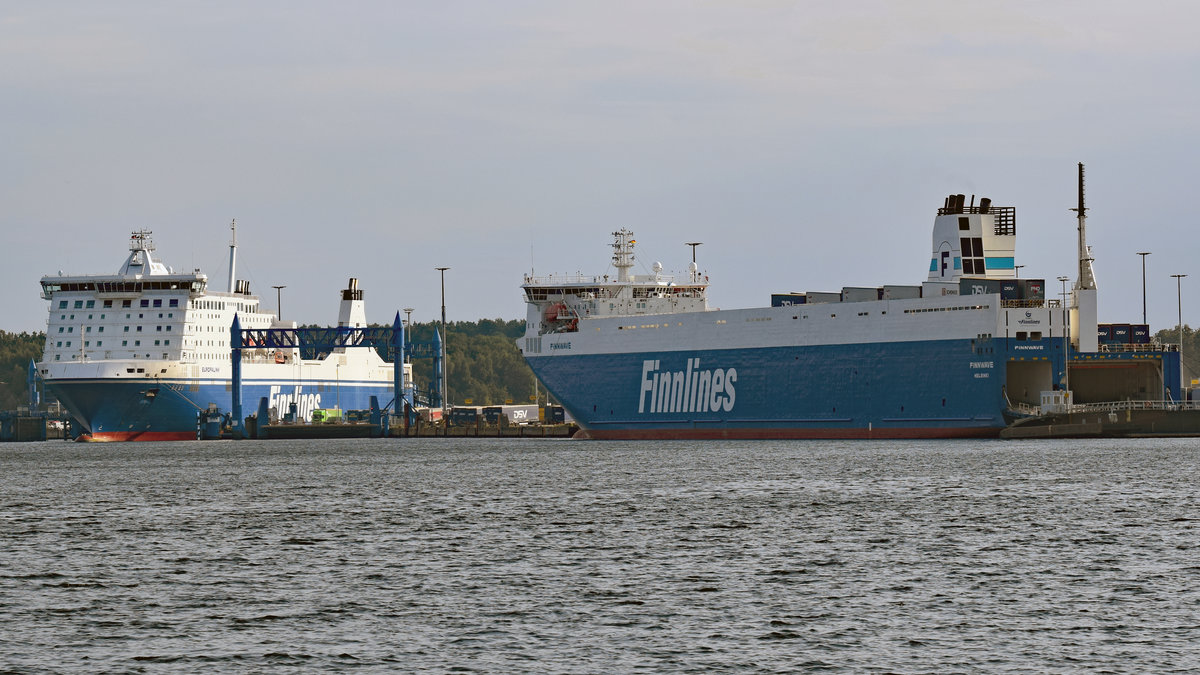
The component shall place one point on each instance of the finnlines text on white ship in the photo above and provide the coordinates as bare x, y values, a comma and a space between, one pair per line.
688, 390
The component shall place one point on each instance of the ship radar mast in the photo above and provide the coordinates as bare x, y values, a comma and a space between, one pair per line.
622, 259
1087, 277
232, 252
141, 241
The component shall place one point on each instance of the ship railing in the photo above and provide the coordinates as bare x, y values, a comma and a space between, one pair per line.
1023, 303
1144, 347
1025, 408
1120, 406
556, 279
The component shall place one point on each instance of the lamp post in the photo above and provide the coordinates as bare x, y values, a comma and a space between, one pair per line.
1143, 254
279, 302
1017, 269
445, 339
1066, 338
1179, 296
407, 331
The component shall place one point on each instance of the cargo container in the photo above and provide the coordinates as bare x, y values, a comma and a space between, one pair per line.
555, 414
1104, 333
521, 413
1010, 289
815, 297
1140, 334
463, 415
901, 292
1121, 333
974, 286
1033, 289
326, 415
787, 299
861, 294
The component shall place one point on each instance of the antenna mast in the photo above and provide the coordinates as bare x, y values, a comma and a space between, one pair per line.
622, 259
233, 251
1087, 278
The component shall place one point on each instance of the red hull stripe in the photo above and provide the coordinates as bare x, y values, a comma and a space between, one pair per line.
782, 434
126, 436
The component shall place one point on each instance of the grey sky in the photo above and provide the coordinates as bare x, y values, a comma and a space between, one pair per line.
807, 145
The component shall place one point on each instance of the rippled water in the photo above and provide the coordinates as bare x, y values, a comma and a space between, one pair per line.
464, 555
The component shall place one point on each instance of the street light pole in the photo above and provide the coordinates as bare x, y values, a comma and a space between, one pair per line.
407, 330
445, 339
1179, 296
1066, 337
279, 302
1144, 254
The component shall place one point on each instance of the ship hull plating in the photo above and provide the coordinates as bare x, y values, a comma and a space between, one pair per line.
918, 389
152, 410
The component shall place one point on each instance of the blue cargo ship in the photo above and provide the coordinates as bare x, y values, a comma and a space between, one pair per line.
970, 349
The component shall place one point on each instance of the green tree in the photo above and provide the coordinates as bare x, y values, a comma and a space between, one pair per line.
1191, 347
16, 351
484, 362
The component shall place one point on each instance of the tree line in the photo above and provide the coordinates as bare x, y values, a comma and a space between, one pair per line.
16, 351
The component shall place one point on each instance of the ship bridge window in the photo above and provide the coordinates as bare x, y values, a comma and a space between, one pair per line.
91, 304
964, 223
62, 304
78, 304
108, 304
158, 302
125, 303
144, 303
174, 302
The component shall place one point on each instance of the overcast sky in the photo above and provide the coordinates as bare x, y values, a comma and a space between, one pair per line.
808, 145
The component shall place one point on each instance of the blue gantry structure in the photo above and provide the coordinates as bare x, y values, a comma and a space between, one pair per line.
388, 340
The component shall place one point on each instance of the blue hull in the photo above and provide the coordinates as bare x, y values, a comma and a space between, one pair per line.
927, 389
161, 410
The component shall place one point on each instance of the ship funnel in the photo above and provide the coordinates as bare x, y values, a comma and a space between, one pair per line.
352, 312
984, 204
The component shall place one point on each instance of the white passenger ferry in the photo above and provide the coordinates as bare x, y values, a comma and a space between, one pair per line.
137, 355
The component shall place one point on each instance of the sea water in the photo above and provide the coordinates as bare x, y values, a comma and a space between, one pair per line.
524, 556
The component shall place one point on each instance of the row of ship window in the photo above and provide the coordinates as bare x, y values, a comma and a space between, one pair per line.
145, 302
63, 317
100, 329
124, 343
